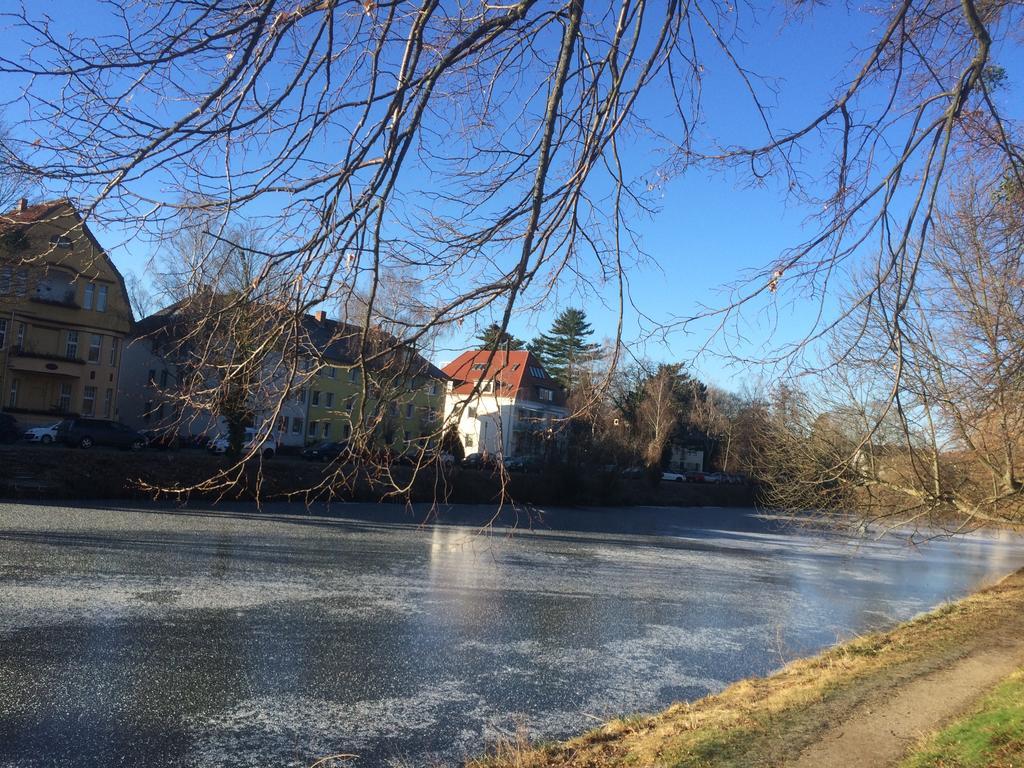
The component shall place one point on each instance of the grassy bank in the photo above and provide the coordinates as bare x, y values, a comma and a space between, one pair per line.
769, 721
990, 737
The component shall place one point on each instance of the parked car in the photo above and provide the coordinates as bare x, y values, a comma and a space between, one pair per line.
694, 477
85, 433
514, 464
634, 473
479, 461
9, 430
675, 477
162, 439
325, 451
716, 477
43, 435
268, 448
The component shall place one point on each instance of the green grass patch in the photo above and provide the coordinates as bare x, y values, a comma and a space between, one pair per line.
992, 737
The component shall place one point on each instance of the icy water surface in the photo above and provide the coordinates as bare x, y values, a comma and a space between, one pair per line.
167, 637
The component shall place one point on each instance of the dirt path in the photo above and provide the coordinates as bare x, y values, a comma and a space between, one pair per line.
878, 733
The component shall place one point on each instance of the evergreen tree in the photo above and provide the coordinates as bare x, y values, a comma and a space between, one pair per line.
492, 337
566, 348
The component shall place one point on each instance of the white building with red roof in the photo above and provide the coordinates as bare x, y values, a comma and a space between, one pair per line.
504, 404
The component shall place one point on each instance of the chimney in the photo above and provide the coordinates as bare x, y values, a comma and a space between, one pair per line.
22, 205
320, 316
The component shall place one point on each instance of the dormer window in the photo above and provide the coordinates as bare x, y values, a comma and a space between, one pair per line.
479, 366
60, 241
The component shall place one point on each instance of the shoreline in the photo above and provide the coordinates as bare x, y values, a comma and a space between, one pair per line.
863, 702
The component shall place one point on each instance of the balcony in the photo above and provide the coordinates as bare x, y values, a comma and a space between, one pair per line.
30, 361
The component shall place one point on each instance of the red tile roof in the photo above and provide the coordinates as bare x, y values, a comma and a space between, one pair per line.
32, 213
516, 372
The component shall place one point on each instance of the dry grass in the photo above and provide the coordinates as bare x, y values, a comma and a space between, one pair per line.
765, 721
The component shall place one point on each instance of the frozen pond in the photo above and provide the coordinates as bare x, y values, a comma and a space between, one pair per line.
167, 637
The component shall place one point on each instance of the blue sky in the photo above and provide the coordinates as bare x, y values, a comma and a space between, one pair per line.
710, 227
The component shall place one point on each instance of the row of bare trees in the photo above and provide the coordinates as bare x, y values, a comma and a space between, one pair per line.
424, 165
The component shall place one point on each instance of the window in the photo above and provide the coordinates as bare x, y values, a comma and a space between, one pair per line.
3, 333
353, 375
316, 397
12, 401
471, 412
21, 336
297, 425
537, 372
95, 347
284, 423
350, 404
113, 350
346, 430
64, 398
329, 399
327, 429
432, 389
71, 349
300, 396
469, 440
21, 282
409, 410
90, 294
60, 241
6, 280
89, 401
108, 402
393, 408
101, 298
163, 378
479, 366
56, 286
546, 395
331, 372
313, 427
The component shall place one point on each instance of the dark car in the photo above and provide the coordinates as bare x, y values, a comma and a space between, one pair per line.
325, 451
162, 439
9, 429
479, 461
85, 433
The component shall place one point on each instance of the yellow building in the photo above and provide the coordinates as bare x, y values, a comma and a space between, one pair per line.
64, 316
414, 391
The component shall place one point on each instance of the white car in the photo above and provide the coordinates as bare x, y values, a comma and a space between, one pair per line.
220, 444
675, 477
42, 434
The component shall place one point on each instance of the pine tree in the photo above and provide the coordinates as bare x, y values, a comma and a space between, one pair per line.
492, 337
566, 348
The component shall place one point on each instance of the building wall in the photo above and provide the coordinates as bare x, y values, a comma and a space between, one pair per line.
409, 419
504, 426
64, 317
148, 399
319, 409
